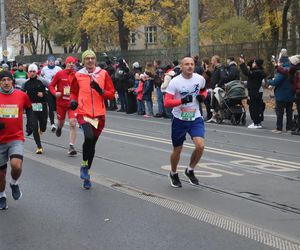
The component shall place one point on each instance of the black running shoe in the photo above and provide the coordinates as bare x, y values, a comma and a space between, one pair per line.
191, 176
15, 191
3, 203
72, 150
175, 181
58, 132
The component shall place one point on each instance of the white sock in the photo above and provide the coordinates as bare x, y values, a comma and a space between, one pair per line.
71, 144
2, 194
172, 173
190, 169
13, 182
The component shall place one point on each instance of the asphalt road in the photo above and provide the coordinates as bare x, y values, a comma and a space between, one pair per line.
248, 197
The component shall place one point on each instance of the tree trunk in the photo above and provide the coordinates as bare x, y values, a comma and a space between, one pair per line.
293, 29
65, 50
49, 46
285, 23
84, 40
237, 6
123, 32
32, 42
297, 15
274, 27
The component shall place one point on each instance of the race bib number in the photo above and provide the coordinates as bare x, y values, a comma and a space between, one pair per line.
188, 114
93, 122
9, 111
67, 90
37, 107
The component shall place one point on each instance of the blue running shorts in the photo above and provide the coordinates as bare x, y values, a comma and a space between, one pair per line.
180, 128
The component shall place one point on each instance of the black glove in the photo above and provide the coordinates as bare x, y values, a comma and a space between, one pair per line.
187, 99
29, 130
73, 104
2, 125
96, 87
200, 98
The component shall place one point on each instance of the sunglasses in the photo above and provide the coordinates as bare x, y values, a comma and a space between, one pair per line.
32, 71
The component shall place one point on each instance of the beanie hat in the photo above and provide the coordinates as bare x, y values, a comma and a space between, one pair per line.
136, 65
283, 55
51, 58
70, 59
294, 59
259, 62
33, 67
5, 73
86, 53
283, 52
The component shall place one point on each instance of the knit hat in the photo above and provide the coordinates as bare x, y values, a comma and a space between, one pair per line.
33, 67
70, 59
294, 59
259, 62
51, 58
283, 55
86, 53
283, 52
136, 65
5, 73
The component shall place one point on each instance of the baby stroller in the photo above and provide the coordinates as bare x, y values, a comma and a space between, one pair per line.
230, 103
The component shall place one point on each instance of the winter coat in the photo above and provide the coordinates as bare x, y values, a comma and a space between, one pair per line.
147, 90
283, 89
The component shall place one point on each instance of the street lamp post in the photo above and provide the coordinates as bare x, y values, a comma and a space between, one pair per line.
194, 28
3, 31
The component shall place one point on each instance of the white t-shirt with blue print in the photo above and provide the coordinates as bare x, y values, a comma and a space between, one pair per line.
181, 87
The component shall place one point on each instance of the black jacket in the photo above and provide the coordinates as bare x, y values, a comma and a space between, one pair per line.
255, 77
218, 76
32, 87
233, 73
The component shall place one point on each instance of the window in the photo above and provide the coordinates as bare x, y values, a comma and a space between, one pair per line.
151, 34
132, 37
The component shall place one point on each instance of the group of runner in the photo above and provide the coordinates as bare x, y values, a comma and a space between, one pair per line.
82, 95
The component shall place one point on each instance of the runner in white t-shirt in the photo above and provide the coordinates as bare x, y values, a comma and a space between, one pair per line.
184, 94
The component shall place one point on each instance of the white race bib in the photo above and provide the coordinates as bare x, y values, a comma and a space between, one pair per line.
67, 90
37, 107
9, 111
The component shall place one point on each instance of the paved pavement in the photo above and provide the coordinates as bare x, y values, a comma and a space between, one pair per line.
248, 198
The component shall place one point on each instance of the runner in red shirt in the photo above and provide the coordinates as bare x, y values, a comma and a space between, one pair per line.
12, 104
60, 87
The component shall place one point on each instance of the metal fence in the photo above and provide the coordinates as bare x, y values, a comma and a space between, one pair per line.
249, 50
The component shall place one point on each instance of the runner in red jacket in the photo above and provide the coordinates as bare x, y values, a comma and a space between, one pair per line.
90, 87
60, 87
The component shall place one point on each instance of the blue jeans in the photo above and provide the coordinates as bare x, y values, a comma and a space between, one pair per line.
160, 101
140, 107
149, 110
